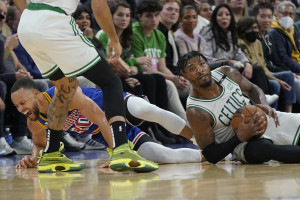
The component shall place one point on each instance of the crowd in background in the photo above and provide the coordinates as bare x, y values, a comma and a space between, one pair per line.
260, 38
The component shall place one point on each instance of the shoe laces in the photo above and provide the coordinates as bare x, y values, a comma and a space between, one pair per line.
110, 151
59, 153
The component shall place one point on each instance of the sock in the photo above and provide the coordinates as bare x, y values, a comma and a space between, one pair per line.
118, 129
53, 140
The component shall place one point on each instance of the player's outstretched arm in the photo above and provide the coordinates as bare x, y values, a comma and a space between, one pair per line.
93, 113
39, 143
21, 4
104, 19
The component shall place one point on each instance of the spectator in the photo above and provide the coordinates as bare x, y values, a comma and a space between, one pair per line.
264, 16
247, 29
239, 8
153, 85
150, 42
286, 36
222, 44
168, 17
205, 11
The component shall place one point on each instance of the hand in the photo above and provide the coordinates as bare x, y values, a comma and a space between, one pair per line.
105, 165
145, 61
20, 75
284, 85
133, 71
132, 82
248, 70
2, 104
121, 68
180, 82
115, 50
88, 31
270, 112
27, 162
296, 76
12, 42
251, 129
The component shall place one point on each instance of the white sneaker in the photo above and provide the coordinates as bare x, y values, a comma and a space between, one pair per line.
271, 98
5, 149
71, 144
24, 146
90, 144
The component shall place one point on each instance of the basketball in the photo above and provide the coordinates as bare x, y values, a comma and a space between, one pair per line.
248, 111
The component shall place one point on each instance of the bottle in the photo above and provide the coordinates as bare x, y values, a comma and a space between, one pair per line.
8, 136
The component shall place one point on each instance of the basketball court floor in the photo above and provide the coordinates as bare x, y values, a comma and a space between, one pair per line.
226, 180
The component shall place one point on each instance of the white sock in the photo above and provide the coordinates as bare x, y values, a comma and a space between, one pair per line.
152, 113
161, 154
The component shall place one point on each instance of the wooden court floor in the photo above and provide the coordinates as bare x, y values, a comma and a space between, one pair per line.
226, 180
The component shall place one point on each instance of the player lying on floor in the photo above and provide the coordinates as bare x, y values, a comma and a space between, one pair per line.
215, 97
34, 104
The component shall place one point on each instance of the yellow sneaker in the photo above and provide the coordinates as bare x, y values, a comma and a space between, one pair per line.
56, 161
123, 159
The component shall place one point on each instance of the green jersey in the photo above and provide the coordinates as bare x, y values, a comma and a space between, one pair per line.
153, 46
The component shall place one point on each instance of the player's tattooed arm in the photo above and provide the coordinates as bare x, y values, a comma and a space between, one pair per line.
201, 123
252, 91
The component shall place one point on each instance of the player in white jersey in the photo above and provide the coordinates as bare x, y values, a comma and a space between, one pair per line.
215, 97
50, 35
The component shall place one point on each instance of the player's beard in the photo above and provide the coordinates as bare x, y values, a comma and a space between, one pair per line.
35, 112
206, 84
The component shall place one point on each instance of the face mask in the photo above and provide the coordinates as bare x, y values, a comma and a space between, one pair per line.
286, 22
251, 36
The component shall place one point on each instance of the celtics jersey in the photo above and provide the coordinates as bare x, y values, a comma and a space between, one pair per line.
222, 107
69, 6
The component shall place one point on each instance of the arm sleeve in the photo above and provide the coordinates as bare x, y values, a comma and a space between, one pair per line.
213, 153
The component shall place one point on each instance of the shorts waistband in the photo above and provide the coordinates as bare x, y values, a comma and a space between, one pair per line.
41, 6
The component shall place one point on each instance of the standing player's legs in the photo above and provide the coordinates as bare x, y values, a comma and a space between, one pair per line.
113, 101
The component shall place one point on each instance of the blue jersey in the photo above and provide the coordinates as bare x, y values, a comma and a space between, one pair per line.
76, 124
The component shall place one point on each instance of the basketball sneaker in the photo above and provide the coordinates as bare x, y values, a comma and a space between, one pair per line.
56, 161
123, 158
5, 149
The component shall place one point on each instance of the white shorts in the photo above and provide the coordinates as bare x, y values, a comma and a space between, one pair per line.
288, 132
54, 41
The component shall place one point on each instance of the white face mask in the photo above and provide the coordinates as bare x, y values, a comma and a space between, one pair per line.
286, 22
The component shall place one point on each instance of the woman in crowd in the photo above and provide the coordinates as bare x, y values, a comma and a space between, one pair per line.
247, 30
222, 44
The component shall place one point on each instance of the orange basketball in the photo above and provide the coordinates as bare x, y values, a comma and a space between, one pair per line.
248, 111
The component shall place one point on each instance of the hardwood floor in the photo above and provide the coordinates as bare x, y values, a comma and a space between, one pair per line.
226, 180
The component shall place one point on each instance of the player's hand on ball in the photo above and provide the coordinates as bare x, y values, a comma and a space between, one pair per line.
252, 129
27, 162
271, 112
